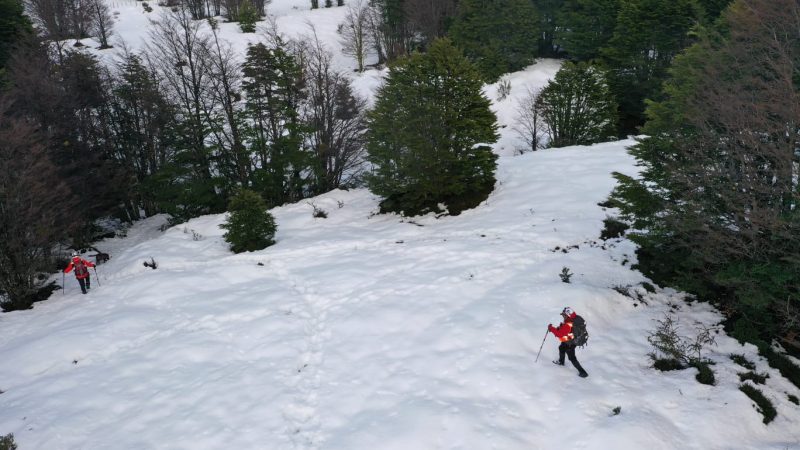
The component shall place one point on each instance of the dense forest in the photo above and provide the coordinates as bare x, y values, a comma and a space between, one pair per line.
186, 124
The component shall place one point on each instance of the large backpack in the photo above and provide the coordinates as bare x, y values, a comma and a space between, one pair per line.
581, 336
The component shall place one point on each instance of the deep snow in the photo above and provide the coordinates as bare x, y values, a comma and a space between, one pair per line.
366, 331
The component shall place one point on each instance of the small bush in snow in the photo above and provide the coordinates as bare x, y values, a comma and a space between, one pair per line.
742, 361
763, 404
670, 346
704, 373
616, 411
565, 274
793, 399
250, 226
151, 264
503, 89
319, 213
7, 442
757, 378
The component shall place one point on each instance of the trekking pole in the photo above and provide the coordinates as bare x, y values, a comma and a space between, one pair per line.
542, 346
96, 276
63, 285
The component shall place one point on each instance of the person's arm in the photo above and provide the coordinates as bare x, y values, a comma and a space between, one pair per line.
68, 269
563, 332
88, 263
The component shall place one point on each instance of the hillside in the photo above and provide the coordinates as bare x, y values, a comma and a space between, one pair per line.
368, 331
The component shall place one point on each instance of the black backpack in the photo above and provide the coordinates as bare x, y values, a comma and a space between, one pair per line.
581, 336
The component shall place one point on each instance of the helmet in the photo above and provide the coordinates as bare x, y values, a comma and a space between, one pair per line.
567, 311
74, 254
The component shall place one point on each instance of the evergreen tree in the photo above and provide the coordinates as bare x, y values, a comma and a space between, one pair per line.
548, 24
250, 226
248, 16
586, 26
577, 106
647, 36
499, 36
13, 24
274, 89
719, 192
429, 135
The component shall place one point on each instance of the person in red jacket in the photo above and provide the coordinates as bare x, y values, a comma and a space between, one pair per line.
81, 267
564, 334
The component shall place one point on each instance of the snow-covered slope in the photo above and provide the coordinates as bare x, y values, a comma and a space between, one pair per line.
365, 331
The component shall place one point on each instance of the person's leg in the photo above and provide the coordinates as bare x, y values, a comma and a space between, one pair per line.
88, 282
82, 282
561, 353
570, 349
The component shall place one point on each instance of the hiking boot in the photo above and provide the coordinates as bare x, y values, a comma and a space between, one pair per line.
583, 374
558, 363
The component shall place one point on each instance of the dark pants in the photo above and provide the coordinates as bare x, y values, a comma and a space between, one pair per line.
568, 349
85, 283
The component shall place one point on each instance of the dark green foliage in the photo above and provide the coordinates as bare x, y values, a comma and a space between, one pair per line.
763, 404
548, 24
430, 133
667, 364
793, 399
742, 361
613, 228
785, 366
499, 36
713, 8
757, 378
648, 287
719, 213
13, 24
7, 442
704, 373
647, 36
273, 131
616, 411
577, 106
586, 26
248, 16
250, 226
565, 274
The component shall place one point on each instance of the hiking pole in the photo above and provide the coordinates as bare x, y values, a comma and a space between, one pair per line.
63, 285
542, 346
97, 276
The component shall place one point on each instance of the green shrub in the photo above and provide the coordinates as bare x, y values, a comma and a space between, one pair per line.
757, 378
763, 405
668, 344
7, 442
704, 375
784, 365
565, 274
667, 364
250, 226
793, 399
742, 361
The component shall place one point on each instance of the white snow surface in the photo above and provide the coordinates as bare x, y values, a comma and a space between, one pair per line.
368, 331
365, 331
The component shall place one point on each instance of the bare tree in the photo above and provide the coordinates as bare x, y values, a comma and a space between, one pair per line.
529, 125
355, 32
102, 23
337, 119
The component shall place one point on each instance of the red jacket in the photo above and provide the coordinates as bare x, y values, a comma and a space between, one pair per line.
81, 267
564, 331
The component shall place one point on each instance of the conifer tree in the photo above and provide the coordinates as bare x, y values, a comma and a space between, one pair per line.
248, 16
499, 36
430, 133
250, 226
577, 106
647, 36
586, 26
13, 24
